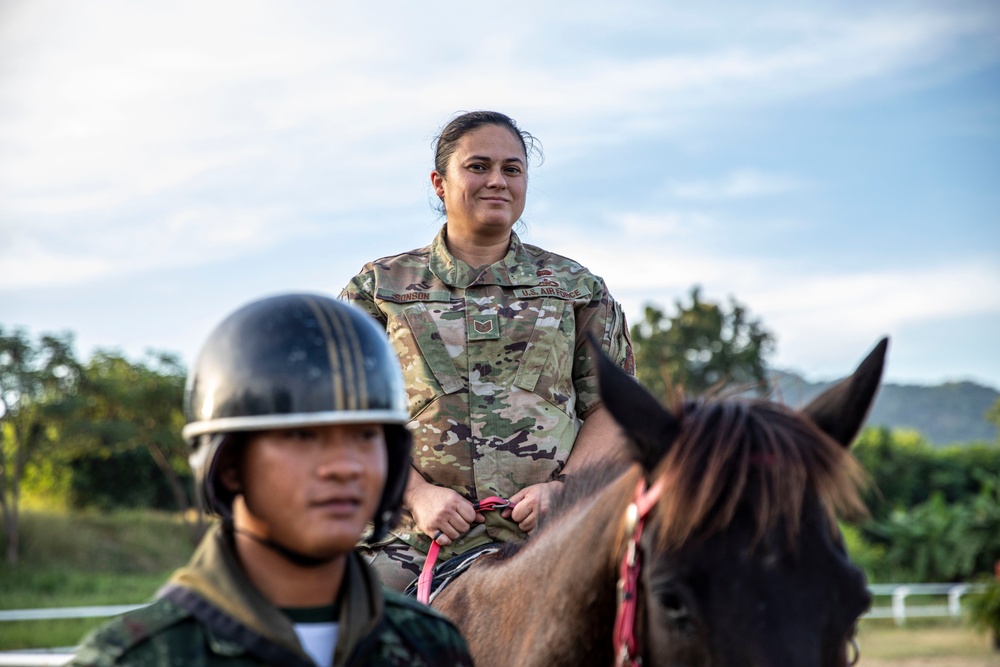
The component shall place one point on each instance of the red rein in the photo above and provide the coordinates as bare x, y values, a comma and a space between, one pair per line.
626, 645
427, 572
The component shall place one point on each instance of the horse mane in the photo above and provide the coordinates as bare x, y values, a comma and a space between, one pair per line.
750, 455
732, 454
581, 485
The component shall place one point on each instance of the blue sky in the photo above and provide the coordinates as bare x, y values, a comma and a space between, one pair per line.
834, 166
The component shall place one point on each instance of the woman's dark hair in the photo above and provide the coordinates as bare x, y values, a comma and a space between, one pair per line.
467, 122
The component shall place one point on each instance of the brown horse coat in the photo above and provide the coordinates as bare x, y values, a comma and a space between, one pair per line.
742, 561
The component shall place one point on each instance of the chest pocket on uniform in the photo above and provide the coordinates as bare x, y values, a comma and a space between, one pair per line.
428, 369
546, 368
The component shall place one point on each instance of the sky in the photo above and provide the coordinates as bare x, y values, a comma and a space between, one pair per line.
833, 166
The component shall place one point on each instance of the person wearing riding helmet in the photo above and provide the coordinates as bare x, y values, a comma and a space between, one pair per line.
296, 416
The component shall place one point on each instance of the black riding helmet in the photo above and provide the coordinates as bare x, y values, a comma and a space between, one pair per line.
295, 360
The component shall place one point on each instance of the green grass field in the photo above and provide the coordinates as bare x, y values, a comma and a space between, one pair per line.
86, 559
924, 642
124, 557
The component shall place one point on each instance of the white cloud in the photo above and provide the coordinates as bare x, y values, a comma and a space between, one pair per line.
27, 263
823, 320
800, 299
887, 298
184, 237
667, 223
737, 185
122, 100
138, 137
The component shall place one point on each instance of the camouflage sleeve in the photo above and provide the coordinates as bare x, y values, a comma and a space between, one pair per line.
422, 637
360, 291
137, 639
603, 317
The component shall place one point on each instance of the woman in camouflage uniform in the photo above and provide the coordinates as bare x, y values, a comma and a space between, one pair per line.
491, 333
295, 414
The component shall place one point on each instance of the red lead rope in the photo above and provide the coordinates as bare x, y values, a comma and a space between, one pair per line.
626, 645
427, 572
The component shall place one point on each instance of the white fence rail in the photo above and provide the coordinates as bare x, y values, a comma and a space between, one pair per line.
53, 657
66, 612
948, 594
39, 658
945, 601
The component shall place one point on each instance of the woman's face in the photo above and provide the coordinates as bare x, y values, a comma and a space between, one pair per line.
484, 188
313, 489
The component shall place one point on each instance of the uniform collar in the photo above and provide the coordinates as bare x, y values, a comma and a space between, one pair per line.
215, 576
360, 614
514, 269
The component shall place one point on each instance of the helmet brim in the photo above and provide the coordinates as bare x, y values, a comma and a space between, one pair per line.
268, 422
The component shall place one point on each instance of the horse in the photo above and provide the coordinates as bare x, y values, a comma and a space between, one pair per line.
716, 543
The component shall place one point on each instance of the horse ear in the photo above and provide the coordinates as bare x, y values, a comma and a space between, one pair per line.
840, 411
650, 428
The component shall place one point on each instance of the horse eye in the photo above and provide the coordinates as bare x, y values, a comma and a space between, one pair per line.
672, 602
676, 610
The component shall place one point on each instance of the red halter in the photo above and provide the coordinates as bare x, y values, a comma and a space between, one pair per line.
626, 645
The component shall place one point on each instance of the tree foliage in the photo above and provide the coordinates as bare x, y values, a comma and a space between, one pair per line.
110, 427
993, 415
935, 511
131, 416
38, 382
703, 346
906, 470
984, 609
944, 541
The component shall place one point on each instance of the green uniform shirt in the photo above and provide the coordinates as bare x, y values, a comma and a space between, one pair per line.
209, 614
496, 363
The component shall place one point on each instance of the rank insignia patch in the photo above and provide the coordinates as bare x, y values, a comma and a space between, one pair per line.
484, 327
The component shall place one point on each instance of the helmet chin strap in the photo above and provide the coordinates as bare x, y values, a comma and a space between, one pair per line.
292, 556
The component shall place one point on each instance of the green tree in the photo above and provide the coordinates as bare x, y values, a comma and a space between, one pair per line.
993, 415
942, 541
131, 412
703, 346
38, 380
984, 609
898, 465
906, 470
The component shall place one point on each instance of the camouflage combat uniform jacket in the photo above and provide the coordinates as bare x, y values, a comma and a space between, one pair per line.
497, 366
209, 614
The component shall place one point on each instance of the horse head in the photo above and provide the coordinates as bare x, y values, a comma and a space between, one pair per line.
742, 561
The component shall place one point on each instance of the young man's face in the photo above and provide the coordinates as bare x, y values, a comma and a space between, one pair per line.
312, 489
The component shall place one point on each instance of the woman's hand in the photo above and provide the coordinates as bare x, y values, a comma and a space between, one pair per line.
530, 503
436, 508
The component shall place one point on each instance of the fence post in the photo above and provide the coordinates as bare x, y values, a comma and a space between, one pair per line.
899, 604
955, 594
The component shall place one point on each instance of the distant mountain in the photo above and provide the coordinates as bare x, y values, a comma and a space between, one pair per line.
944, 414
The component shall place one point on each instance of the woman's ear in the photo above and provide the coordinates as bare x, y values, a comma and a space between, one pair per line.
437, 181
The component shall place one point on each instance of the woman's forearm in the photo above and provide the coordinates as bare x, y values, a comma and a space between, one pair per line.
600, 440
